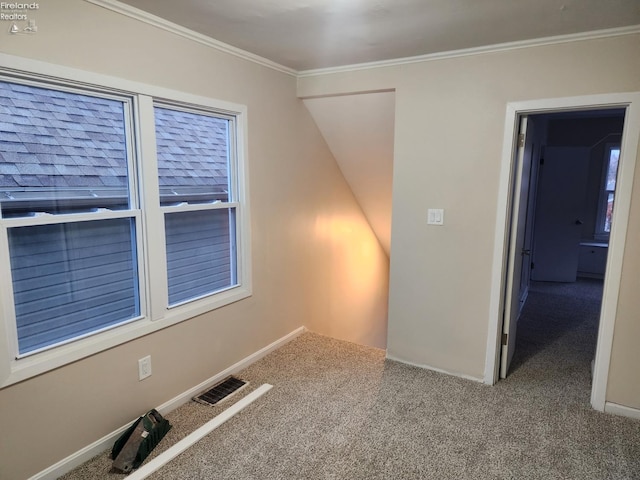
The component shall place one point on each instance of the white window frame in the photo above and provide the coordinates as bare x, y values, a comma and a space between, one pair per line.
155, 313
133, 212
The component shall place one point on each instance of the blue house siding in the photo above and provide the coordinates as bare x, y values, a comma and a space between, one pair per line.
72, 278
198, 253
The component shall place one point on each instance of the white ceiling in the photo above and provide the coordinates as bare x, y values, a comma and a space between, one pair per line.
311, 34
305, 35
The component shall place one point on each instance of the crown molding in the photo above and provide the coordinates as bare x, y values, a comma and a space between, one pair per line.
141, 15
501, 47
163, 24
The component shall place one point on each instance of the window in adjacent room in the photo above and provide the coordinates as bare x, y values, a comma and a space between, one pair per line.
610, 173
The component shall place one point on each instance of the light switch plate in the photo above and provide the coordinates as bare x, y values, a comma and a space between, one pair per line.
435, 216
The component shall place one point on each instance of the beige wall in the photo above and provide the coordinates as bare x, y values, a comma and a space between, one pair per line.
359, 131
315, 260
450, 118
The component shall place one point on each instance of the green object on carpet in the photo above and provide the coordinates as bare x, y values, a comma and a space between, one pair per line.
137, 442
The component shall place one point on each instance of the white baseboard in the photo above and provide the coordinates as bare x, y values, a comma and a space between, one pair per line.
106, 442
616, 409
439, 370
236, 367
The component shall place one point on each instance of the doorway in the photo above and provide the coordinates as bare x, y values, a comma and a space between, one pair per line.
567, 196
509, 248
563, 215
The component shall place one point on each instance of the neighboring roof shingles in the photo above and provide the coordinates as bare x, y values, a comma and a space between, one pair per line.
192, 148
51, 138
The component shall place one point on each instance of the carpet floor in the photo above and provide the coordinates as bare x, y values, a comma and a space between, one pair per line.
341, 411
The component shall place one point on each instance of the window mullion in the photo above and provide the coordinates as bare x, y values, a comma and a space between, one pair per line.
241, 196
234, 196
153, 217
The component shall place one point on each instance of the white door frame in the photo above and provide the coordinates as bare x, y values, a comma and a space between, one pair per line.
629, 153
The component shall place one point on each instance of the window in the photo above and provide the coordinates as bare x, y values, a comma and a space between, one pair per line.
121, 212
194, 149
69, 212
610, 173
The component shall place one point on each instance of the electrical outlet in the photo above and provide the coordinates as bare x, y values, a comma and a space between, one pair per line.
144, 367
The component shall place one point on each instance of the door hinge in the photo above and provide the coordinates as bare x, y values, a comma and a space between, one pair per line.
533, 265
521, 140
541, 161
505, 338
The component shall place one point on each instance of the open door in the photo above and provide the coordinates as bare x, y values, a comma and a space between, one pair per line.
517, 252
502, 315
559, 213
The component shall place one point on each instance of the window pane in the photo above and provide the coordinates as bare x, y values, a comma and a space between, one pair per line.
60, 151
193, 157
72, 279
199, 253
612, 169
609, 213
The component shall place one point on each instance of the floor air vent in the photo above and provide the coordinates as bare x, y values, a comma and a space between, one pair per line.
221, 391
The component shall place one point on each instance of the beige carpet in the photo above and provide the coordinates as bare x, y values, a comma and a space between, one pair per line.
340, 411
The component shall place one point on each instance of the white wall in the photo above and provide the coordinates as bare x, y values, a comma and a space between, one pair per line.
450, 116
